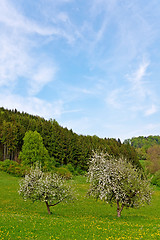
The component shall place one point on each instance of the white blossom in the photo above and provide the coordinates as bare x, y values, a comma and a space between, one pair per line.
116, 180
45, 187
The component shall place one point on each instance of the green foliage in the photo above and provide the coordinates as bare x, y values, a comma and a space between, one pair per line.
33, 149
19, 170
14, 168
143, 142
70, 168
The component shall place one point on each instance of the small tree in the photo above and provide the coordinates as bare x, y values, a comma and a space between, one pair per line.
33, 149
117, 181
44, 187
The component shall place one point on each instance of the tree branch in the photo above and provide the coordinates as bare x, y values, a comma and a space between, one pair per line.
52, 205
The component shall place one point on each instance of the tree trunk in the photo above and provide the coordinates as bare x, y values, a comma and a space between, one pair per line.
119, 210
4, 152
49, 212
118, 214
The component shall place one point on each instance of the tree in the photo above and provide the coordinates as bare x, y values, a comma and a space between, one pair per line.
44, 187
154, 158
8, 137
33, 149
116, 180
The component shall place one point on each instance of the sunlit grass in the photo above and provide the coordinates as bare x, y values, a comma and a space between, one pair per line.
83, 219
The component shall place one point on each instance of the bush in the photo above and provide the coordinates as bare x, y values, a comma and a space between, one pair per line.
156, 179
14, 168
63, 172
5, 165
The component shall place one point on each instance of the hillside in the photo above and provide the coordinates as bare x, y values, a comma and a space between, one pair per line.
64, 146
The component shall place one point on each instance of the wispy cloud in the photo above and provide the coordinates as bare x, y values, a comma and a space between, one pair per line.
19, 57
33, 105
153, 109
14, 19
40, 78
14, 60
136, 94
114, 98
137, 80
30, 105
122, 33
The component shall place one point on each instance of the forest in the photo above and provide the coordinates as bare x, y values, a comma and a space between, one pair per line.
63, 145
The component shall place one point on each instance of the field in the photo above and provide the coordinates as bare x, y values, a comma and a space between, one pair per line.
83, 219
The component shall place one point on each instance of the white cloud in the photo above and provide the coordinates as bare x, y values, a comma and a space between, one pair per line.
141, 72
40, 78
17, 61
32, 105
153, 109
138, 82
121, 31
137, 77
17, 57
36, 106
14, 60
10, 17
114, 98
136, 94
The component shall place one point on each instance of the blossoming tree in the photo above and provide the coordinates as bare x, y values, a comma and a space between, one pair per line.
44, 187
116, 180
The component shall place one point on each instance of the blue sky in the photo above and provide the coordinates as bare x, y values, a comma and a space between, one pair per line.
93, 65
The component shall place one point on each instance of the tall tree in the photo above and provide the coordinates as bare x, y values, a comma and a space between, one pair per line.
33, 149
8, 137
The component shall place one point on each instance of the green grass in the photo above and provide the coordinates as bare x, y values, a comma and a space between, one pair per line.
83, 219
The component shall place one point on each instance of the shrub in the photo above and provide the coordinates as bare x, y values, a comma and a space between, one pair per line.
14, 168
64, 172
156, 179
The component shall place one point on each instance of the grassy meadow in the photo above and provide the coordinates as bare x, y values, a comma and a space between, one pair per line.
83, 219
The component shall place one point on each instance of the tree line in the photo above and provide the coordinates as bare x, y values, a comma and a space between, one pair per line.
63, 145
143, 142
